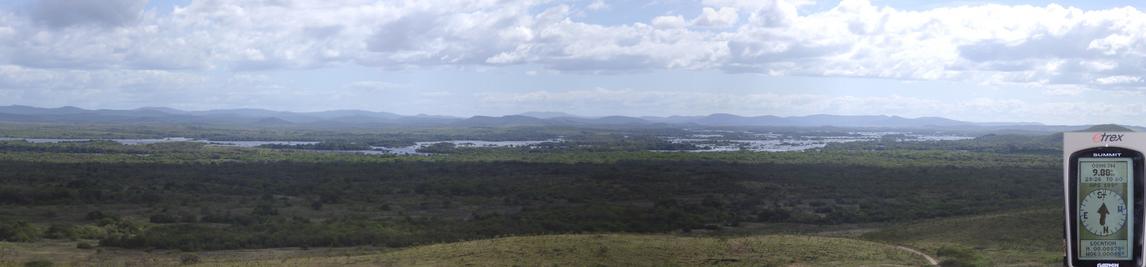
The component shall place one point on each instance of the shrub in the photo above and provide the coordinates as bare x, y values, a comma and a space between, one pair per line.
187, 217
188, 259
20, 232
95, 215
264, 210
84, 245
164, 218
38, 263
59, 231
88, 231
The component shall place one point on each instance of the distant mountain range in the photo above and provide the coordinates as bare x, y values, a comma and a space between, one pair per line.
360, 118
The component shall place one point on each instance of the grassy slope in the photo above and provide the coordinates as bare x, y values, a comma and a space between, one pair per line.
633, 250
65, 253
1021, 238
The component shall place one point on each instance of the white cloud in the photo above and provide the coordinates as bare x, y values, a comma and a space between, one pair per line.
669, 22
1065, 90
983, 43
597, 5
754, 5
1066, 50
709, 17
1118, 79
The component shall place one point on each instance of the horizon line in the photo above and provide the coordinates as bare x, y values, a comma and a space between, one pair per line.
527, 112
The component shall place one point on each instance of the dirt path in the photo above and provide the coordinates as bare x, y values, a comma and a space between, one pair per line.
930, 260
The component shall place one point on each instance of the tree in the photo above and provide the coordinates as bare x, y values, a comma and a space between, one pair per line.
20, 231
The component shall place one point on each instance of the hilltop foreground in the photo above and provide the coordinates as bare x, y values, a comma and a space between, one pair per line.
637, 250
557, 250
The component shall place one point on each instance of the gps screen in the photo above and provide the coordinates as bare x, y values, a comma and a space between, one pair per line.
1104, 208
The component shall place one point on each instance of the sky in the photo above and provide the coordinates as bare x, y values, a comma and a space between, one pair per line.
1055, 62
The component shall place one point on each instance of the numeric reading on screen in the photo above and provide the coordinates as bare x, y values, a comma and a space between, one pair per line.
1104, 209
1105, 172
1102, 172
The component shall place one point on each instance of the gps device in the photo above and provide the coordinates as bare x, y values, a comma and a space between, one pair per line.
1104, 207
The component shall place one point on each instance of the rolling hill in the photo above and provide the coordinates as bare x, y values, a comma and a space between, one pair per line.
361, 118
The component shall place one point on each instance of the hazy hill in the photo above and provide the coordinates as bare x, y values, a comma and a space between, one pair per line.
1107, 128
354, 114
272, 121
513, 120
607, 120
361, 118
547, 114
723, 119
26, 110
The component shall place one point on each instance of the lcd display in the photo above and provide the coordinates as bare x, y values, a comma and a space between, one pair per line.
1104, 208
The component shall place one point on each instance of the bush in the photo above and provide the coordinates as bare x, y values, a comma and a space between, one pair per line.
187, 217
20, 232
188, 259
96, 215
164, 218
84, 245
59, 231
38, 263
88, 231
122, 228
264, 210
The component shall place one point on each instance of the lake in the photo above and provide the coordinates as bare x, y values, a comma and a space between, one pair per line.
375, 150
772, 142
164, 140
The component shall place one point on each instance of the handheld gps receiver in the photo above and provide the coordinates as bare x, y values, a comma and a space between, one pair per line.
1104, 207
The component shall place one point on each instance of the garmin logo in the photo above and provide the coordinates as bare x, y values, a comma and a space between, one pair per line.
1104, 137
1107, 154
1107, 265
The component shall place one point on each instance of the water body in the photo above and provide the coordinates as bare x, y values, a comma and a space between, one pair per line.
377, 150
413, 150
164, 140
258, 143
771, 142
